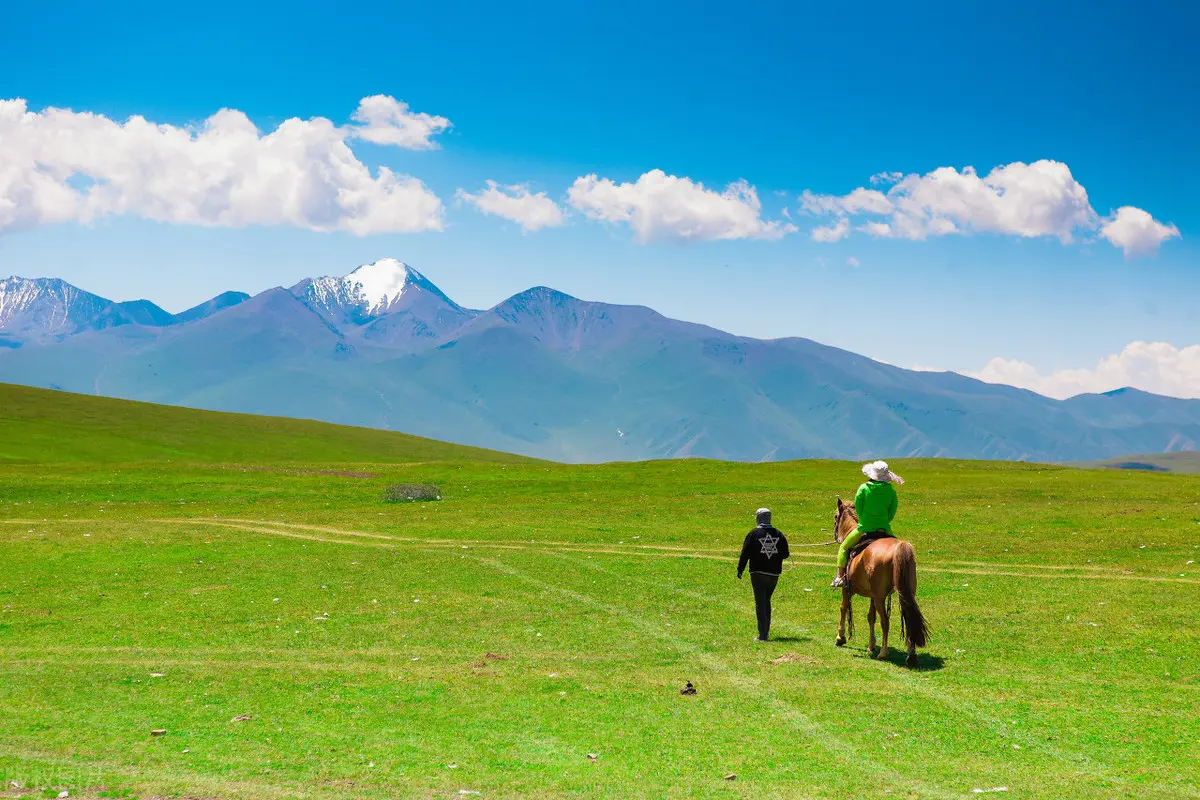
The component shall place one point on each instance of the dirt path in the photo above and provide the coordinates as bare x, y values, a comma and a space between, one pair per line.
1058, 571
331, 535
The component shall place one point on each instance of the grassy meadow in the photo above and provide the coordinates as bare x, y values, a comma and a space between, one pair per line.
527, 635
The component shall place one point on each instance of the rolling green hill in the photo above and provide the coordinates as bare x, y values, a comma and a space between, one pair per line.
41, 425
210, 605
1187, 462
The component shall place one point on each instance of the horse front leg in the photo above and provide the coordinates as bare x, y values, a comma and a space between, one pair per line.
841, 637
871, 623
885, 619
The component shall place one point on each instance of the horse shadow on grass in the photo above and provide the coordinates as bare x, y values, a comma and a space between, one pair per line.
925, 661
791, 639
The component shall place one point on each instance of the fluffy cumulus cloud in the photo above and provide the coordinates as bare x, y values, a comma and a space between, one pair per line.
1025, 200
59, 165
516, 204
1153, 367
386, 120
832, 233
659, 206
1136, 232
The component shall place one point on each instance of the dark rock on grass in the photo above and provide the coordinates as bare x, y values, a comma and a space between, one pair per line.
411, 493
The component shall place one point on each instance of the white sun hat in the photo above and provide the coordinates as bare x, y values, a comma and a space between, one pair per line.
878, 471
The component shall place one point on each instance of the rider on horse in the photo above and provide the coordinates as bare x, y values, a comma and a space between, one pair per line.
875, 503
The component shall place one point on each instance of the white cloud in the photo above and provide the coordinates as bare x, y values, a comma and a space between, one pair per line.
886, 178
877, 229
385, 120
59, 166
859, 201
853, 262
516, 204
661, 206
1136, 232
1152, 367
1018, 199
832, 233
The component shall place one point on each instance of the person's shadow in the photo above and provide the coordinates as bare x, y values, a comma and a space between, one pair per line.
791, 639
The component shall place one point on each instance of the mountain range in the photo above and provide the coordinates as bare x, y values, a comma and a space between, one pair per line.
549, 375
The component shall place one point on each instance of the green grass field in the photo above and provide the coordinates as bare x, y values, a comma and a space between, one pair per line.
171, 569
1187, 462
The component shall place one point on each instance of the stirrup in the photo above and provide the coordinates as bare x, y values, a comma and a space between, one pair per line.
838, 582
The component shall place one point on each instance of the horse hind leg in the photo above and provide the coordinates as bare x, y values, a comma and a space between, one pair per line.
885, 618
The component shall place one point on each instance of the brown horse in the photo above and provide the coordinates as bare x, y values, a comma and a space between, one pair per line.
884, 565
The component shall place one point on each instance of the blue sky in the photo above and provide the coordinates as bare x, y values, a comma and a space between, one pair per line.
787, 97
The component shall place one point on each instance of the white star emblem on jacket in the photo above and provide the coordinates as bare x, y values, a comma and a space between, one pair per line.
768, 545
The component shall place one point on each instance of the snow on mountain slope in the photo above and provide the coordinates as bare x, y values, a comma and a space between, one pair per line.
388, 299
46, 306
383, 283
370, 291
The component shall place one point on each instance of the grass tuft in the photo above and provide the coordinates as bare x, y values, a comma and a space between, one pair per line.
411, 493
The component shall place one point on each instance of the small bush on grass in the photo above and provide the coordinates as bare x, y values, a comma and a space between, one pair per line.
411, 493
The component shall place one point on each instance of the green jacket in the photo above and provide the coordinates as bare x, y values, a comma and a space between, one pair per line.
875, 503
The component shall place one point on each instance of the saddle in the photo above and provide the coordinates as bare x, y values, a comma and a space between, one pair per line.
868, 539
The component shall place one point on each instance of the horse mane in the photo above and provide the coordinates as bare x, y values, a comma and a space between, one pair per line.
847, 509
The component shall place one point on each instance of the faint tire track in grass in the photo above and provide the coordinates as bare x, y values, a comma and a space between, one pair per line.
667, 551
839, 749
940, 696
680, 553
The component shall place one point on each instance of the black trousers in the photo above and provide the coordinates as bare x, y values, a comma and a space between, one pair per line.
764, 587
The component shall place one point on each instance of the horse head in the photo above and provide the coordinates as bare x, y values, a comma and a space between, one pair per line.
844, 518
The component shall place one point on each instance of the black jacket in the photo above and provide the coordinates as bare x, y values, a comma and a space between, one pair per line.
765, 549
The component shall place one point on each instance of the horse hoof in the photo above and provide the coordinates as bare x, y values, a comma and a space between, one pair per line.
839, 641
872, 652
911, 661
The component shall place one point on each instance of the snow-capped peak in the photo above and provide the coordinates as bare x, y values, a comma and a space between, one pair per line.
19, 294
382, 283
46, 305
370, 291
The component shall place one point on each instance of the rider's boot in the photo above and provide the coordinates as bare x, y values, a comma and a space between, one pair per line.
840, 580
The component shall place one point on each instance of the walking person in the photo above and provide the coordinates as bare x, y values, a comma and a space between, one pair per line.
764, 550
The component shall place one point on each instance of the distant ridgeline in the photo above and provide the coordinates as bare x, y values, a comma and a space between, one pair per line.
549, 375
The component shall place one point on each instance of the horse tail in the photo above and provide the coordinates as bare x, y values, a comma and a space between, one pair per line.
904, 577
